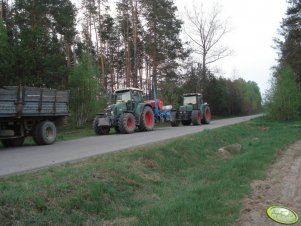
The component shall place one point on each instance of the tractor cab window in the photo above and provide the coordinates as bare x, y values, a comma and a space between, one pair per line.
123, 96
190, 100
137, 96
200, 99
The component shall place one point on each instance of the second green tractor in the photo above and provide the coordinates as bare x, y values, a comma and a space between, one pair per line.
193, 111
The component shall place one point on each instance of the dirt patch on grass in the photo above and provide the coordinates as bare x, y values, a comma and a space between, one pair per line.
120, 221
149, 163
228, 150
282, 187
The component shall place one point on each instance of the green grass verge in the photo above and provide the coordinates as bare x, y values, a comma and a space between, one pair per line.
178, 182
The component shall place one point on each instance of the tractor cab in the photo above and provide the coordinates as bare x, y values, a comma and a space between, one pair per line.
128, 99
193, 99
130, 94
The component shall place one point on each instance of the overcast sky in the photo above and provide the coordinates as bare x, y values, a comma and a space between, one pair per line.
254, 25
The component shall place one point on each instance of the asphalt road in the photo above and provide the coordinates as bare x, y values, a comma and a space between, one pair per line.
27, 158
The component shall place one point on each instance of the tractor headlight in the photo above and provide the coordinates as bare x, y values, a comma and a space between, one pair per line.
108, 110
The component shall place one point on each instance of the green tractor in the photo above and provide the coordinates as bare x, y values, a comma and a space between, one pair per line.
193, 110
126, 114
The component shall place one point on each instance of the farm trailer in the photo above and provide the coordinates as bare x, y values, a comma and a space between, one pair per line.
29, 111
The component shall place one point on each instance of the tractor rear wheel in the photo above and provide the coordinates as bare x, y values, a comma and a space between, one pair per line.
186, 122
127, 123
100, 130
207, 115
196, 117
147, 120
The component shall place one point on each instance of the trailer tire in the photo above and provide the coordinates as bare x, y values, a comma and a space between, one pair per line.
100, 130
127, 123
147, 120
207, 115
13, 142
196, 117
44, 133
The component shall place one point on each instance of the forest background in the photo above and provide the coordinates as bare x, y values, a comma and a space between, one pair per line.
41, 45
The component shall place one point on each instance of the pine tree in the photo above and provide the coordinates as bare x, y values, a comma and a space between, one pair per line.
162, 43
290, 47
6, 56
42, 34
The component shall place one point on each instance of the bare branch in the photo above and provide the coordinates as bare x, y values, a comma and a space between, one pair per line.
206, 33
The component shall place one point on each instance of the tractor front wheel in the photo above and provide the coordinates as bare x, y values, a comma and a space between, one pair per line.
100, 130
196, 117
147, 120
117, 129
127, 123
174, 123
186, 122
207, 115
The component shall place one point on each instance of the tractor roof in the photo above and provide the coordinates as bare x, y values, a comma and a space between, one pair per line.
192, 94
128, 89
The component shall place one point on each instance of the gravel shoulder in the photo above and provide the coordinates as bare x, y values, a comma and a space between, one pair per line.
282, 187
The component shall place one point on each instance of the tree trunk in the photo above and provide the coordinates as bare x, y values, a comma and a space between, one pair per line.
135, 24
101, 53
127, 60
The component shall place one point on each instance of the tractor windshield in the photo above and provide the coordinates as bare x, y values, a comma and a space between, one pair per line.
123, 96
190, 100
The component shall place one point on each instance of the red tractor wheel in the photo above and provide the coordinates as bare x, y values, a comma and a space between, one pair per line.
196, 117
147, 120
127, 123
207, 115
